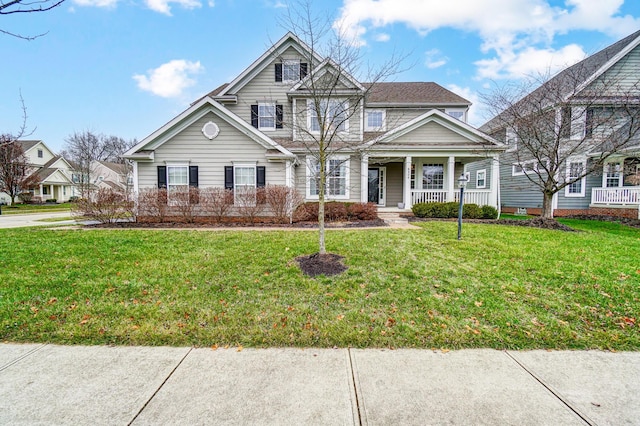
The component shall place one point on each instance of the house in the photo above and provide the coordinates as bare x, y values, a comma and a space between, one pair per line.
106, 174
605, 85
54, 173
399, 143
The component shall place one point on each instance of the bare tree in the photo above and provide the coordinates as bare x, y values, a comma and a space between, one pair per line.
562, 119
11, 7
83, 148
333, 96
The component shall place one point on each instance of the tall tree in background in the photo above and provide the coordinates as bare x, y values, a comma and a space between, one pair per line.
562, 119
83, 148
11, 7
333, 96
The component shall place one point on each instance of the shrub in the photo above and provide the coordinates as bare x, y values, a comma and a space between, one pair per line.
74, 199
216, 202
184, 201
362, 211
26, 197
471, 211
334, 211
249, 202
51, 201
152, 203
307, 212
282, 201
489, 212
105, 205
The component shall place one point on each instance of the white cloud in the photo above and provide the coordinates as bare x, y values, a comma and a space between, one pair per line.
475, 116
163, 6
212, 3
96, 3
169, 80
382, 37
509, 29
435, 59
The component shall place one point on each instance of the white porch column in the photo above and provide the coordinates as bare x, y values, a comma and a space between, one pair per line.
364, 178
406, 198
451, 179
288, 173
51, 194
41, 194
495, 183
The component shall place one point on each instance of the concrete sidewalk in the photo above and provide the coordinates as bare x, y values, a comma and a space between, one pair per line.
33, 219
50, 384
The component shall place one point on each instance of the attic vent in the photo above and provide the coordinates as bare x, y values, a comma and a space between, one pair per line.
210, 130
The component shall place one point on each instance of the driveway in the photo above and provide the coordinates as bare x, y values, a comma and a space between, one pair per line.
32, 219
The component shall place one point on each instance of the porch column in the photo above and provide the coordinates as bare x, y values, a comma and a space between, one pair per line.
451, 179
364, 178
41, 194
288, 172
406, 198
495, 183
51, 194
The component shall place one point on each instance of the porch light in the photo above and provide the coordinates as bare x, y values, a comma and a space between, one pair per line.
462, 182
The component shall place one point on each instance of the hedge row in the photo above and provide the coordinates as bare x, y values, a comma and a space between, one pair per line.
336, 212
450, 210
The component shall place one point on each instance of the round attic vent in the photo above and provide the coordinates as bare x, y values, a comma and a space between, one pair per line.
210, 130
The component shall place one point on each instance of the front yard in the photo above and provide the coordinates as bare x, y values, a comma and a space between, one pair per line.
500, 287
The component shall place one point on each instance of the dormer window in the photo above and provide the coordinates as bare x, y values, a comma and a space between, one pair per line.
456, 113
290, 71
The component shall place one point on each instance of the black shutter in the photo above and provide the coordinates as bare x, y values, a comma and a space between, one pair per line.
303, 70
254, 116
193, 176
260, 177
162, 177
228, 177
279, 72
279, 116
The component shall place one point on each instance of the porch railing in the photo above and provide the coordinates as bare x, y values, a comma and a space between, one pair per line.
471, 196
619, 196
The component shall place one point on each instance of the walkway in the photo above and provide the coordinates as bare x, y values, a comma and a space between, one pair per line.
98, 385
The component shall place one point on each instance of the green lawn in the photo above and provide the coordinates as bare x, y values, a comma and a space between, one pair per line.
36, 208
500, 287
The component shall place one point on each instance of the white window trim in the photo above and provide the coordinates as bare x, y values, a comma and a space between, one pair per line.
484, 178
175, 165
346, 160
235, 178
311, 111
462, 110
620, 164
583, 180
288, 62
275, 116
382, 128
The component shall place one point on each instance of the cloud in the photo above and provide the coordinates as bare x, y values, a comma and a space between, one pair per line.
96, 3
169, 80
507, 28
475, 117
163, 6
435, 59
382, 37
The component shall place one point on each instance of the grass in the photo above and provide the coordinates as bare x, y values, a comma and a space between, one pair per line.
56, 219
36, 208
499, 287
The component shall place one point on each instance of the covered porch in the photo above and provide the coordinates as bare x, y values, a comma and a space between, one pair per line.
399, 182
620, 183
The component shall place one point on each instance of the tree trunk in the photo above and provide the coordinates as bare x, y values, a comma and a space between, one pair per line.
321, 192
547, 205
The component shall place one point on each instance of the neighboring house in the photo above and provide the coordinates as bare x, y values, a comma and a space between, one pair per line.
54, 173
614, 188
408, 142
105, 174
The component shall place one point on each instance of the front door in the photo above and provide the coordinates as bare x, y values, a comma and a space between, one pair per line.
377, 185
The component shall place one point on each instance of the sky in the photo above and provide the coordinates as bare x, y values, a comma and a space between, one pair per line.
126, 67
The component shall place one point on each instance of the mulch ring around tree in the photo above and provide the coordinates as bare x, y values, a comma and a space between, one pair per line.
321, 264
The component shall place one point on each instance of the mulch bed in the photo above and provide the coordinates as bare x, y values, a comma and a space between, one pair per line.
536, 222
321, 264
304, 225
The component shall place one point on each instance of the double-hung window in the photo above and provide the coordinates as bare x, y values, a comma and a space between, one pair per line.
481, 179
267, 116
177, 177
612, 175
290, 70
375, 120
575, 170
333, 113
337, 177
244, 184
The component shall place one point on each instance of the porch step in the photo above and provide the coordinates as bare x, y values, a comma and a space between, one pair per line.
393, 219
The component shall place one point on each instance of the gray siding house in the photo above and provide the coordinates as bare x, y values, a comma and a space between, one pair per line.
614, 187
404, 143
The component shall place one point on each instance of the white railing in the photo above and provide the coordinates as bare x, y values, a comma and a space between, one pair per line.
471, 196
475, 196
619, 196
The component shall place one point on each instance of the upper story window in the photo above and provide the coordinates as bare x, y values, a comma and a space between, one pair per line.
40, 153
267, 116
456, 113
290, 70
511, 137
332, 112
481, 179
375, 120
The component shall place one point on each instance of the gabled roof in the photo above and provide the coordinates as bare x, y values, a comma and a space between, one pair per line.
583, 72
411, 93
324, 67
144, 149
116, 167
453, 124
287, 41
28, 144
